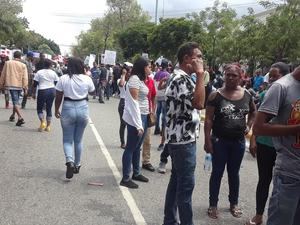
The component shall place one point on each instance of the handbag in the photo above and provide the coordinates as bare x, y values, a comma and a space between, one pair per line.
151, 120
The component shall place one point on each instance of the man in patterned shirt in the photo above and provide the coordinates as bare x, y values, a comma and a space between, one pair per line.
183, 98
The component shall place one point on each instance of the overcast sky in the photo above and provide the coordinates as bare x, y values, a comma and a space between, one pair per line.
63, 20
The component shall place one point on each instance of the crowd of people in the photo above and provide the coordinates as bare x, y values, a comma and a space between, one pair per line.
169, 99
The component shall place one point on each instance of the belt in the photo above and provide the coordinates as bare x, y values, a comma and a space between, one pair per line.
74, 100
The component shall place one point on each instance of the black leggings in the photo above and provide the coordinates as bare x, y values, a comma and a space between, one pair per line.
122, 122
266, 157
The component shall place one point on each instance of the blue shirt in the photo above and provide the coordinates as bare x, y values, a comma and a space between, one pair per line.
95, 73
258, 80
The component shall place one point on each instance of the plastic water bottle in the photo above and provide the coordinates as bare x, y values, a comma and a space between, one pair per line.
208, 162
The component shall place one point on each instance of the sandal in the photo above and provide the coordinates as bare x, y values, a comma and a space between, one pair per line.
212, 212
236, 211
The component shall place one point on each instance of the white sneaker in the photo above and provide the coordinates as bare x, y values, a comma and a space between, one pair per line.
162, 168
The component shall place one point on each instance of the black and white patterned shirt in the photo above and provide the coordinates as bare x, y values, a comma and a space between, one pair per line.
182, 118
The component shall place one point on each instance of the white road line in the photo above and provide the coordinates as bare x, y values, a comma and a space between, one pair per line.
137, 215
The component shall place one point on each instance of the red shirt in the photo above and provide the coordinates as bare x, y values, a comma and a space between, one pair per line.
152, 92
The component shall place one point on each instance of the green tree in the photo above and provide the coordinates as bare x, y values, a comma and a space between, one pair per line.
103, 33
10, 22
134, 40
126, 12
218, 22
247, 40
282, 33
44, 48
168, 35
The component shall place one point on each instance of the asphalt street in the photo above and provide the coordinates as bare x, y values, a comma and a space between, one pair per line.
34, 191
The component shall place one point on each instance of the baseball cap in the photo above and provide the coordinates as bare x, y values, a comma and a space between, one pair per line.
29, 54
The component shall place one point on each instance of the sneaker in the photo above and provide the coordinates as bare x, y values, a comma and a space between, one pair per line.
12, 118
76, 169
140, 178
160, 147
42, 126
149, 167
20, 122
48, 129
70, 170
129, 184
162, 168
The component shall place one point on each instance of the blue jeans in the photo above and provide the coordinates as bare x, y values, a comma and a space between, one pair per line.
160, 110
228, 152
284, 206
181, 184
45, 96
15, 96
74, 118
132, 151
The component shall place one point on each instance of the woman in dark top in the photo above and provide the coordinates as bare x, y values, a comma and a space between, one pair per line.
225, 128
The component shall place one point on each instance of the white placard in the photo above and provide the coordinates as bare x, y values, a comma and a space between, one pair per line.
102, 58
145, 55
110, 57
92, 59
86, 61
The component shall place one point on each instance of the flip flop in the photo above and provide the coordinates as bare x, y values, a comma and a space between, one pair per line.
236, 211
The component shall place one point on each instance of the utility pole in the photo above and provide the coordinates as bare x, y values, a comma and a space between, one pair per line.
163, 11
156, 15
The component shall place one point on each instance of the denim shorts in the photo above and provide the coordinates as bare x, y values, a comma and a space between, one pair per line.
15, 96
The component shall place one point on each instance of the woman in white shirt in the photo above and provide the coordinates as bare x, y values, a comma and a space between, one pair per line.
45, 79
74, 87
136, 113
126, 70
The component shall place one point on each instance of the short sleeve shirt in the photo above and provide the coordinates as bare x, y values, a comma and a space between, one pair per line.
282, 100
75, 87
230, 115
46, 78
135, 82
182, 119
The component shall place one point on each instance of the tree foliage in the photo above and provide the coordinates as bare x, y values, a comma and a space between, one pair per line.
104, 32
135, 39
170, 33
224, 37
14, 29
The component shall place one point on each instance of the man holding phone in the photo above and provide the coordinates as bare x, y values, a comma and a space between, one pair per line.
183, 98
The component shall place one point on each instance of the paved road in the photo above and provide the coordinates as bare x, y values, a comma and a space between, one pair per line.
34, 191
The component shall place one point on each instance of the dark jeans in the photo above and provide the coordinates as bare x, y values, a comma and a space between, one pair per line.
165, 154
132, 151
228, 152
181, 184
107, 91
29, 91
96, 84
266, 157
101, 89
122, 122
45, 97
